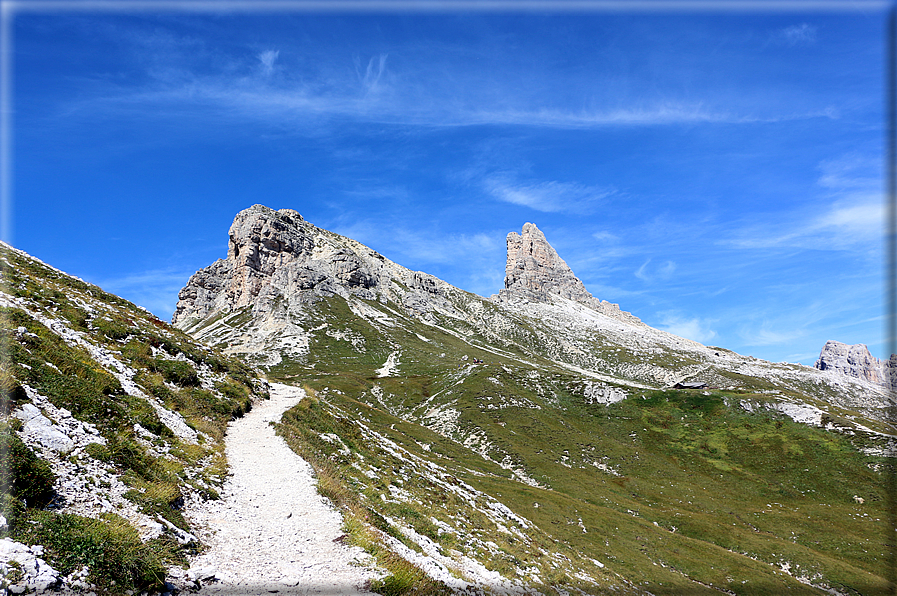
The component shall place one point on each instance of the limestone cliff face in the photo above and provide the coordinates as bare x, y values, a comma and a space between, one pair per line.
276, 262
535, 271
856, 361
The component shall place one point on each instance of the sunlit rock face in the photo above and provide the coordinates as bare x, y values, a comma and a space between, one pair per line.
856, 361
278, 266
535, 271
535, 268
275, 255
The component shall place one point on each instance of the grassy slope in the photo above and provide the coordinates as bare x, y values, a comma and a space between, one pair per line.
159, 468
697, 489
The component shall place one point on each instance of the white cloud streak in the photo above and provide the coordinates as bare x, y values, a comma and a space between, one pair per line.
267, 90
844, 225
370, 80
693, 328
662, 272
797, 35
549, 197
267, 58
850, 215
764, 336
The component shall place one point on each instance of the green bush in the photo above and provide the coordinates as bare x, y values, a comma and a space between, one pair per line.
233, 391
138, 352
110, 546
22, 475
114, 330
179, 372
11, 392
97, 451
128, 454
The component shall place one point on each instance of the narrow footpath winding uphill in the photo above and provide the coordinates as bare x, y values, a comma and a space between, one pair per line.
271, 531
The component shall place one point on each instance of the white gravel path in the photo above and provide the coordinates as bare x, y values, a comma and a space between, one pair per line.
271, 531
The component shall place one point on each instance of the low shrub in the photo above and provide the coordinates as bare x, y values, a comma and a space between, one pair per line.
179, 372
110, 547
127, 454
23, 475
113, 329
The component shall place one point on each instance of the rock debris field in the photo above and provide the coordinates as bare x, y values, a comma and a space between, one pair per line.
271, 532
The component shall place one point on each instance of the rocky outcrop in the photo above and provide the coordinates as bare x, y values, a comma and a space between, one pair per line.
271, 253
535, 271
22, 570
856, 361
278, 266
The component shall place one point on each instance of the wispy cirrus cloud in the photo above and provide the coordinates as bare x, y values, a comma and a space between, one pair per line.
548, 196
664, 271
855, 222
605, 236
849, 172
272, 86
768, 337
267, 58
802, 34
374, 71
694, 328
260, 98
660, 113
849, 215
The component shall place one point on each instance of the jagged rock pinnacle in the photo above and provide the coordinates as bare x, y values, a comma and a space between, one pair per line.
535, 271
535, 268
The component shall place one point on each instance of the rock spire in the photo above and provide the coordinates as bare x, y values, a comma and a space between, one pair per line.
535, 271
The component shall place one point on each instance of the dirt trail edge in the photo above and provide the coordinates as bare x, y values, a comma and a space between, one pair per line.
271, 531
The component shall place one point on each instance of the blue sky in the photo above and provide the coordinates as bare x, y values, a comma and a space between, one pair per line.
716, 173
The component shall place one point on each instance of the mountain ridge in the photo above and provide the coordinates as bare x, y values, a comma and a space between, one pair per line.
287, 264
472, 445
428, 409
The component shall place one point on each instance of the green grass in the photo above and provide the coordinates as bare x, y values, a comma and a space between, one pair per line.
167, 363
109, 546
675, 491
25, 480
702, 471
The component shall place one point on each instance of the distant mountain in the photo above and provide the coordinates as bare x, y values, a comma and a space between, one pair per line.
855, 361
112, 421
532, 441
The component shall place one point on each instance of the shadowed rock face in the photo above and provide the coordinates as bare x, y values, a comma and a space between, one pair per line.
535, 271
856, 361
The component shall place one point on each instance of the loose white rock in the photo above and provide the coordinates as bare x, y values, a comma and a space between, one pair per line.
271, 531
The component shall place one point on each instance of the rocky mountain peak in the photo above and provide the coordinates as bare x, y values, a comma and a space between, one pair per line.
535, 268
535, 271
261, 242
277, 262
857, 362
